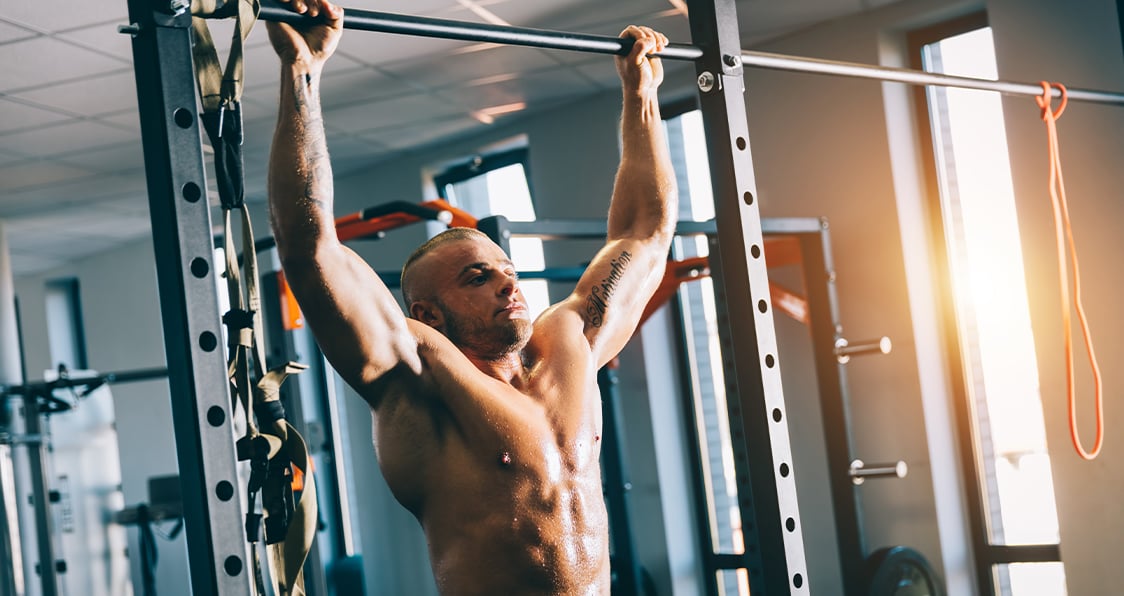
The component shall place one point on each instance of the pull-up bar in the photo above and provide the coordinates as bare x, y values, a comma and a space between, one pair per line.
383, 22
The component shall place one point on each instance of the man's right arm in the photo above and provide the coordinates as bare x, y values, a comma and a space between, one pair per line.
356, 320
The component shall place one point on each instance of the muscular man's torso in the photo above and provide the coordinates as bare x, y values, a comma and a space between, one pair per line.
505, 479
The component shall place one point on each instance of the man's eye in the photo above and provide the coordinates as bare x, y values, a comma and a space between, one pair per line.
478, 280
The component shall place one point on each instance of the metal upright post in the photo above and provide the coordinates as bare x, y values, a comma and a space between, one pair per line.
626, 561
823, 322
181, 230
774, 546
37, 458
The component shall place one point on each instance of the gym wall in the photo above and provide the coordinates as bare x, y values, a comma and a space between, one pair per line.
822, 147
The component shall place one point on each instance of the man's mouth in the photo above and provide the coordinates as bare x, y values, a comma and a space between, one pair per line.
512, 307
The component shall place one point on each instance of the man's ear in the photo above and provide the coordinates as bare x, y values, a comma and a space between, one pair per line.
428, 313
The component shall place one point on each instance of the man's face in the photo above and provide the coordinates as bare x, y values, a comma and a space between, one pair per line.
477, 294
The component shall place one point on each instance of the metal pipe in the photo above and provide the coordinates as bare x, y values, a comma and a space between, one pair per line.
860, 471
40, 489
915, 77
384, 22
844, 350
368, 20
11, 372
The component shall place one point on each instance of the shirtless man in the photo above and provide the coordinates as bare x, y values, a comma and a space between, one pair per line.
487, 424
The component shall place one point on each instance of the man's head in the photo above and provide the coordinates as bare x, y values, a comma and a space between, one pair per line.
462, 284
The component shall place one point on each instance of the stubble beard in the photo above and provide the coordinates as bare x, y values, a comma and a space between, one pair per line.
496, 339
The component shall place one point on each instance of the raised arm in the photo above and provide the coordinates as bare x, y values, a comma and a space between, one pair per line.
355, 319
612, 294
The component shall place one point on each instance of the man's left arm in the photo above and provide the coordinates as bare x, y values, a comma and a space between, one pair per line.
615, 288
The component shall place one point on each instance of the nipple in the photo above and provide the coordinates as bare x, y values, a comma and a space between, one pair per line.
505, 459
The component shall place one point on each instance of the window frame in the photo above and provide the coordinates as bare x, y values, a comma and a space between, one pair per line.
986, 555
68, 288
481, 164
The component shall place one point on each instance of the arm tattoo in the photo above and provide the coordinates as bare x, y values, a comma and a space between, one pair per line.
313, 150
598, 300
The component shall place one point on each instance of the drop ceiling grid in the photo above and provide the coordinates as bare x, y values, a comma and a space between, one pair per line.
67, 69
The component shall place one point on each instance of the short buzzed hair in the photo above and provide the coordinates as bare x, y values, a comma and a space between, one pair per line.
450, 235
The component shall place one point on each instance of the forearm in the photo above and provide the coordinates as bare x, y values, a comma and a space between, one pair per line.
645, 199
300, 174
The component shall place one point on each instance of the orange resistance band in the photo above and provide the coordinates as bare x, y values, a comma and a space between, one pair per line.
1064, 234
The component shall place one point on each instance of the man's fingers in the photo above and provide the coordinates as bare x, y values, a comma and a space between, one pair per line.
642, 48
332, 12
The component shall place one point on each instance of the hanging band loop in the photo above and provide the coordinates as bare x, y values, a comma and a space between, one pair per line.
1063, 231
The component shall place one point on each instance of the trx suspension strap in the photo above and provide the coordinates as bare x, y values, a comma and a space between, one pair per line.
276, 452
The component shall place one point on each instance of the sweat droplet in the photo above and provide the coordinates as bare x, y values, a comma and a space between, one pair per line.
505, 459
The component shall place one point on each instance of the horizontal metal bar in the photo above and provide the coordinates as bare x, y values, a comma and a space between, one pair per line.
384, 22
368, 20
915, 77
999, 554
718, 561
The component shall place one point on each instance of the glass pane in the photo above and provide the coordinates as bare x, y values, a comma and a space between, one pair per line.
689, 158
504, 191
990, 294
64, 331
700, 327
1030, 579
733, 582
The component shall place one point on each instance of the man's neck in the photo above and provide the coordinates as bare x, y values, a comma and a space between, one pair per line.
508, 367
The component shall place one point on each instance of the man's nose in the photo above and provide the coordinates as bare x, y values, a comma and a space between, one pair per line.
508, 285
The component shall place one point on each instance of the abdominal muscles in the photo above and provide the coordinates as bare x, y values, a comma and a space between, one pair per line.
521, 527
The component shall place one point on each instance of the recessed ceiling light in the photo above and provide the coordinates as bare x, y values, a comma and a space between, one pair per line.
483, 13
680, 6
488, 115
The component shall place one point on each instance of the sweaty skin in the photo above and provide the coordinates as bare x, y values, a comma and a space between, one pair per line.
487, 424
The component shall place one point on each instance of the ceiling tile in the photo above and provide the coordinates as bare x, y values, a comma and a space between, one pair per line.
17, 116
385, 48
422, 7
556, 83
602, 18
126, 156
33, 174
87, 97
353, 147
44, 60
358, 85
408, 109
104, 38
10, 32
528, 14
458, 67
126, 119
7, 158
72, 136
60, 196
60, 15
404, 136
599, 71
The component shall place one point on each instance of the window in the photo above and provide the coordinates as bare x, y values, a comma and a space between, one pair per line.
65, 335
687, 143
1015, 516
497, 185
